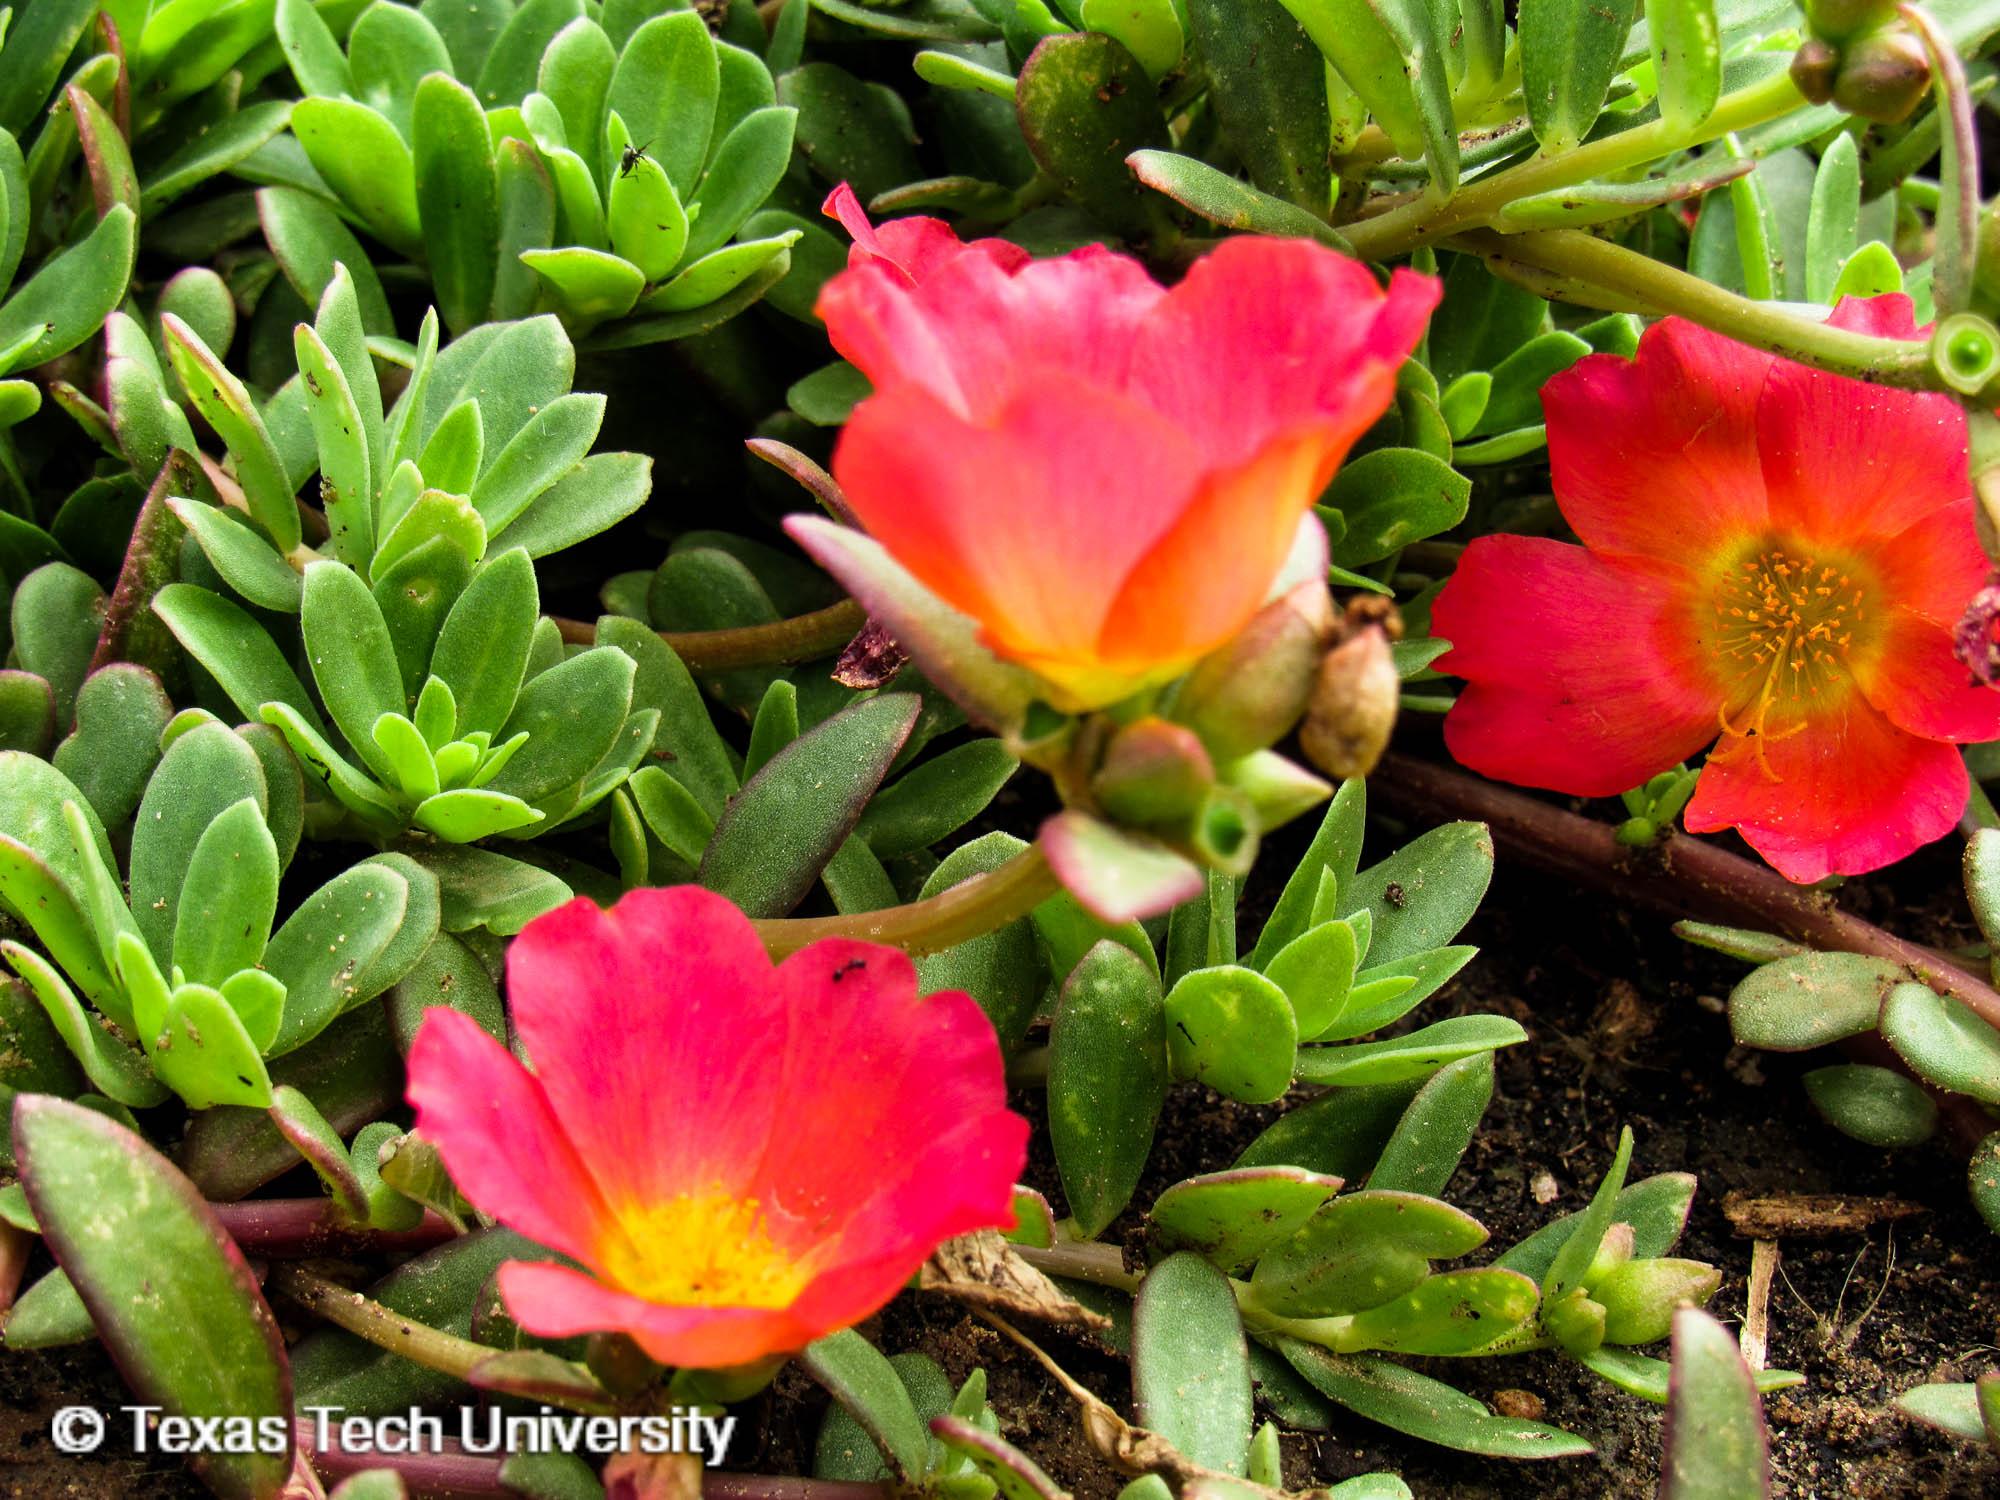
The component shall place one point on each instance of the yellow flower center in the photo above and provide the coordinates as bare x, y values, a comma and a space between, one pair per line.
703, 1250
1786, 625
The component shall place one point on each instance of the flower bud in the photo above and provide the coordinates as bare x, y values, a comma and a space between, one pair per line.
1153, 772
1837, 20
1279, 789
1353, 706
1883, 77
619, 1364
1612, 1251
1250, 693
1640, 1296
1575, 1322
1814, 67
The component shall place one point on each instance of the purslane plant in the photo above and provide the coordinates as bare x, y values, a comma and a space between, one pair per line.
194, 984
422, 627
603, 177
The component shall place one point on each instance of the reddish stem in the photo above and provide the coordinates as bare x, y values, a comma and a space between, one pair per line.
300, 1228
453, 1474
447, 1475
782, 642
15, 1247
1688, 878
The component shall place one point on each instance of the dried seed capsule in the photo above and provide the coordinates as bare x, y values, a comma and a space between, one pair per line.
1353, 706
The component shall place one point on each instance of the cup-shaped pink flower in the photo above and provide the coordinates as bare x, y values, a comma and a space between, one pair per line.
743, 1157
1773, 558
1106, 474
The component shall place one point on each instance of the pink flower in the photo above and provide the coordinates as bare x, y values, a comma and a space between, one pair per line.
1105, 474
743, 1157
1771, 555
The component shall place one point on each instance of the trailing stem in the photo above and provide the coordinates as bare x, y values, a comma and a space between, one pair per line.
781, 643
970, 909
1687, 878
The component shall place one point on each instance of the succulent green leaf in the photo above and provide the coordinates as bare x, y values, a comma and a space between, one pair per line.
777, 834
1714, 1433
1421, 1407
185, 1321
1190, 1364
1107, 1080
1233, 1217
458, 199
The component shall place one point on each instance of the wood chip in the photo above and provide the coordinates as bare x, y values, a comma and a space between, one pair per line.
1755, 1338
1811, 1215
982, 1268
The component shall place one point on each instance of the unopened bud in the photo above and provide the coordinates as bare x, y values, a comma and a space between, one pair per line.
1883, 77
1353, 706
1249, 694
1575, 1321
1612, 1251
1153, 772
1640, 1296
1814, 67
620, 1365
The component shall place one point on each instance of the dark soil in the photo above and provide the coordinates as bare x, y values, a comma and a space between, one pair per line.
1625, 1027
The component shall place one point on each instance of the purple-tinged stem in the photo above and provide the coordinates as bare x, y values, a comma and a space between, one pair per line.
452, 1474
300, 1228
1688, 878
806, 637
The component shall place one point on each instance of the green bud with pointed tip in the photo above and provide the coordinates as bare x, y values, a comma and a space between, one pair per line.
1639, 1297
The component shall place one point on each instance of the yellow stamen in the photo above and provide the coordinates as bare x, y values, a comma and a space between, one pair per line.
706, 1250
1783, 629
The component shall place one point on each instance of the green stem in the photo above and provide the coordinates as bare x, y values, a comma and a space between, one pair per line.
1412, 224
379, 1325
968, 910
1661, 289
1091, 1260
780, 643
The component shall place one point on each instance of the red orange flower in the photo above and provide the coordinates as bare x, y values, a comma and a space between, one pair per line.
1105, 474
1771, 555
744, 1157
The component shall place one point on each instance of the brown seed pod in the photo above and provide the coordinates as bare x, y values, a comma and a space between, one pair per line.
1353, 706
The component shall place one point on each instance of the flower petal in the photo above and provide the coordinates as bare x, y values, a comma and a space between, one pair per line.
648, 1026
1934, 567
915, 246
502, 1143
1851, 793
1030, 524
1845, 460
1200, 584
1580, 671
1265, 336
1657, 455
875, 1078
1919, 682
975, 335
552, 1301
